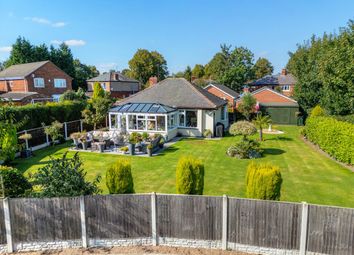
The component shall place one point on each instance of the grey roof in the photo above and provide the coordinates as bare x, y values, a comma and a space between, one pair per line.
21, 70
277, 79
17, 96
109, 77
176, 93
224, 88
143, 108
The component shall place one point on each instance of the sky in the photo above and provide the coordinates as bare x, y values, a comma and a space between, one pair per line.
107, 33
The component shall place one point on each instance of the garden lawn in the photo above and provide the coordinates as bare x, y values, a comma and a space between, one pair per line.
307, 175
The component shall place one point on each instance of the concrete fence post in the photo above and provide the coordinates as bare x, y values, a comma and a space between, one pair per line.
66, 130
81, 126
154, 219
83, 222
304, 224
10, 246
224, 222
27, 147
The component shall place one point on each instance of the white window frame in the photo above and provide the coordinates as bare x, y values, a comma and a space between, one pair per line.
36, 82
63, 81
184, 112
285, 88
103, 85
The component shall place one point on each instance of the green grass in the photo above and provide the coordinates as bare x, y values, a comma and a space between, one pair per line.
307, 174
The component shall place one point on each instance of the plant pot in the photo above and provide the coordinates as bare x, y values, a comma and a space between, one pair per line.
131, 147
84, 145
76, 143
26, 153
149, 152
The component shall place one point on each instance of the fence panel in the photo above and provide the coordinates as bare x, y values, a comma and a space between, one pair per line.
118, 216
264, 223
330, 230
47, 219
73, 127
189, 217
2, 224
38, 137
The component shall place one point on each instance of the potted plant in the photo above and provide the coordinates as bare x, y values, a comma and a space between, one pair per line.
53, 131
124, 149
26, 153
133, 139
75, 137
161, 142
207, 133
149, 149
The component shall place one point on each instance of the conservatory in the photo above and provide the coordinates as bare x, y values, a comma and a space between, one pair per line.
143, 117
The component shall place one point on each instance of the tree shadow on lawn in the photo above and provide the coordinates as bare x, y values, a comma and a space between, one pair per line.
280, 138
168, 150
272, 151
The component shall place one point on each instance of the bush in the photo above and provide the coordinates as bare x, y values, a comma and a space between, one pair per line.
190, 176
245, 149
53, 130
71, 95
119, 179
333, 136
46, 113
317, 111
347, 118
64, 177
242, 127
15, 184
263, 181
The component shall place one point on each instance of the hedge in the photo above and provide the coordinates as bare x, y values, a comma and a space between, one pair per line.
47, 113
333, 136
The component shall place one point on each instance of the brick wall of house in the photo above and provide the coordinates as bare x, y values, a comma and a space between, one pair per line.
13, 85
91, 84
49, 72
120, 94
221, 94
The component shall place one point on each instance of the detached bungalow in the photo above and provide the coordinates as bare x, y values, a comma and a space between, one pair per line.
171, 107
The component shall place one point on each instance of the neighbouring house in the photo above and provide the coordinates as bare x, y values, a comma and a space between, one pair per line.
283, 82
170, 107
42, 77
116, 83
22, 98
281, 108
223, 92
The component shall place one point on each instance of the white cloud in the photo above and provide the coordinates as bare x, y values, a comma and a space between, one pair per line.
44, 21
6, 49
105, 67
71, 42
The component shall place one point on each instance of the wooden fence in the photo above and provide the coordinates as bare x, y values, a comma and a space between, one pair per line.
231, 222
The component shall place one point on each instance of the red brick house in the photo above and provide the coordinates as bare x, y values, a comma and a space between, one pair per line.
282, 109
116, 83
283, 82
43, 78
223, 92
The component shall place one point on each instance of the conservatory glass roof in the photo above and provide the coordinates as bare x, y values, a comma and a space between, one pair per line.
142, 108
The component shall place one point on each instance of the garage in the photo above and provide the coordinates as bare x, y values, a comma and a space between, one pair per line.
281, 113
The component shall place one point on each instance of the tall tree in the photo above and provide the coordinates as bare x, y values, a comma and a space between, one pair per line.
22, 52
63, 58
198, 71
146, 64
262, 67
82, 73
187, 74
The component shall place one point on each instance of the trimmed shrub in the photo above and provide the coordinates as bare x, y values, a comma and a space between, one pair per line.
333, 136
347, 118
119, 179
245, 149
242, 127
190, 176
263, 181
15, 184
46, 113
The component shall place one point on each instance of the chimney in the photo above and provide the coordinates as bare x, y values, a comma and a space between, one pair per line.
246, 89
152, 81
284, 71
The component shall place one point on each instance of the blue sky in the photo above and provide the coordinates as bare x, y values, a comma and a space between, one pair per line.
106, 33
